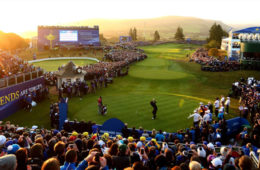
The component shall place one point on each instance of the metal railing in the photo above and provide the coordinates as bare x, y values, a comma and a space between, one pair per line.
20, 78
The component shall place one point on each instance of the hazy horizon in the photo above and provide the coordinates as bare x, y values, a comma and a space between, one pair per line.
20, 16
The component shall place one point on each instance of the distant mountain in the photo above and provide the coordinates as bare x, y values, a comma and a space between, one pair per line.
195, 28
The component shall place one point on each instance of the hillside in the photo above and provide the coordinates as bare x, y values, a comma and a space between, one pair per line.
195, 28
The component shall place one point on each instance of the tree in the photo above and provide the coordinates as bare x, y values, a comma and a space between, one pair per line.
212, 44
213, 52
134, 34
11, 41
156, 36
131, 33
102, 38
216, 33
179, 34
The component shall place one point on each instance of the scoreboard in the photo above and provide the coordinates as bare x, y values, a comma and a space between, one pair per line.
53, 36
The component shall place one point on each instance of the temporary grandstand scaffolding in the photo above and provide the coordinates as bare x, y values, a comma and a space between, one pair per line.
20, 78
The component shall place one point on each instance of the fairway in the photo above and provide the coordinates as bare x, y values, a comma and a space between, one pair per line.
53, 65
166, 75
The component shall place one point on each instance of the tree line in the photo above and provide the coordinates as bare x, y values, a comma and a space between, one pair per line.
11, 41
156, 36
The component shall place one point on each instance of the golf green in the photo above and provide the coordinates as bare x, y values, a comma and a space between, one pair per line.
53, 65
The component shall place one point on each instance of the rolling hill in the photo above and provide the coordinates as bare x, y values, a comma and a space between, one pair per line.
195, 28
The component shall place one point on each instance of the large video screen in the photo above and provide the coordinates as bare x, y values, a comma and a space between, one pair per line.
68, 35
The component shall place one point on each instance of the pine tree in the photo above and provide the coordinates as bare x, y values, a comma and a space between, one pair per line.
216, 33
179, 34
156, 36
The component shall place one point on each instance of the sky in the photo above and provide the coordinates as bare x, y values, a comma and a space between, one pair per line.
25, 15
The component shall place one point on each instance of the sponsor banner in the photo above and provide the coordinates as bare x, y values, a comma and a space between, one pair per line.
10, 97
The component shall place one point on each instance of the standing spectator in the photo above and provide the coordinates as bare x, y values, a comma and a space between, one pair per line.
227, 104
216, 104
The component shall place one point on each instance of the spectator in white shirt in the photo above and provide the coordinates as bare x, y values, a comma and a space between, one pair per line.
196, 118
206, 117
222, 100
216, 104
227, 103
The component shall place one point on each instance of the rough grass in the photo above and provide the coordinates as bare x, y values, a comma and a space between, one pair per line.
178, 87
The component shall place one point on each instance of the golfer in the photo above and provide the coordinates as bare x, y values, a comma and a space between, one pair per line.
153, 104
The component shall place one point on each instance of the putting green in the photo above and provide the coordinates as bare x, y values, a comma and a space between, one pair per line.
53, 65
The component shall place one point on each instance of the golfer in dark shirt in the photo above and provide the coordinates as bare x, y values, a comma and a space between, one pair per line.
153, 104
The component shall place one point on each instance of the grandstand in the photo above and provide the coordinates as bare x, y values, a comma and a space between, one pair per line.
244, 45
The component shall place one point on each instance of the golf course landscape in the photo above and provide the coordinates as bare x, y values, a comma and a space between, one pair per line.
166, 75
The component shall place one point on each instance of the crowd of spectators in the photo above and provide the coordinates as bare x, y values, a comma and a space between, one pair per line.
32, 98
209, 63
98, 75
35, 148
13, 65
248, 90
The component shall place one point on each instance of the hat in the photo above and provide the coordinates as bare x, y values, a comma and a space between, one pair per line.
153, 139
20, 128
66, 121
34, 127
74, 133
130, 139
218, 144
106, 135
2, 139
192, 142
72, 138
101, 142
119, 137
55, 132
122, 148
94, 137
85, 134
142, 138
216, 162
11, 149
139, 144
201, 152
205, 142
211, 146
10, 142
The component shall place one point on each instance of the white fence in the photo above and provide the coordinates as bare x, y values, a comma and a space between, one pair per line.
64, 58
